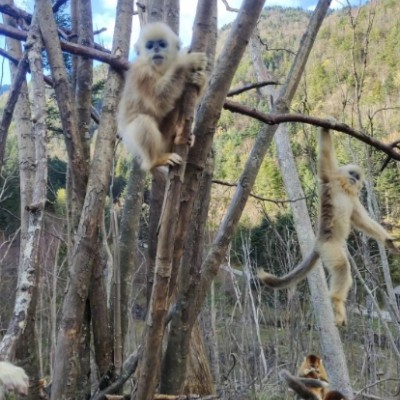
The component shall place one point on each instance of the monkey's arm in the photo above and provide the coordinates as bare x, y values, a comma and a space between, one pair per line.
327, 163
300, 388
294, 276
362, 221
172, 83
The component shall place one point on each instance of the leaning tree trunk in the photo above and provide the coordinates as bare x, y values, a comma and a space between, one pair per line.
206, 120
65, 366
160, 294
331, 345
20, 337
220, 245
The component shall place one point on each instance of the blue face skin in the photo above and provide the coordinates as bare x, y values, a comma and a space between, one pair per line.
158, 48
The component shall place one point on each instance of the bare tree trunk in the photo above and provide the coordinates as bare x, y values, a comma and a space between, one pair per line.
81, 12
207, 117
102, 339
77, 164
174, 375
332, 349
128, 241
27, 349
20, 337
198, 380
160, 294
26, 141
263, 140
65, 366
218, 250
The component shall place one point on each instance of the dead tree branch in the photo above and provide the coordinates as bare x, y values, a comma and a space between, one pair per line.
274, 119
23, 67
117, 62
255, 196
245, 88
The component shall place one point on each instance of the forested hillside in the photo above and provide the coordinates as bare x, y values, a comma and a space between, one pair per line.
251, 332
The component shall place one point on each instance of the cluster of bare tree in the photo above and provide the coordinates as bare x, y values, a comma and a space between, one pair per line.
90, 337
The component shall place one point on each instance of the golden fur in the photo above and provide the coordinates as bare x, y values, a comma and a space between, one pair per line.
313, 367
154, 83
306, 388
12, 378
340, 209
311, 382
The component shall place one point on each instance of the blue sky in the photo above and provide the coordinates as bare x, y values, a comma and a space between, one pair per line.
104, 17
104, 12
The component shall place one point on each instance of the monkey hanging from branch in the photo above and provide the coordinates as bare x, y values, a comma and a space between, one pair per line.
340, 209
154, 83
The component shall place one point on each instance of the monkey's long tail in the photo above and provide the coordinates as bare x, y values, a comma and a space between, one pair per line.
295, 275
335, 395
301, 389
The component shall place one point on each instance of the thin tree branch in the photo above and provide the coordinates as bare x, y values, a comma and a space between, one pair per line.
273, 119
116, 62
19, 14
94, 113
250, 86
58, 4
129, 368
8, 56
23, 66
228, 7
277, 202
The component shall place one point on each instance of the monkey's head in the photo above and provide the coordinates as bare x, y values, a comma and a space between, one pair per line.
312, 360
354, 175
158, 45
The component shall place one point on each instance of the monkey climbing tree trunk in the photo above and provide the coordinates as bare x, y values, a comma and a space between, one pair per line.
160, 294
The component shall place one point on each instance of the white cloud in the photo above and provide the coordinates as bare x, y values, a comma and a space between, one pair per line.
284, 3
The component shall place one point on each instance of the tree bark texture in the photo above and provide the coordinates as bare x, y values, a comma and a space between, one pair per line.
159, 300
218, 249
331, 345
66, 363
65, 102
174, 369
206, 119
128, 240
20, 337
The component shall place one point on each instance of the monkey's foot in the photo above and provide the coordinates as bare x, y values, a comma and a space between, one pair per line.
167, 159
339, 310
389, 243
173, 159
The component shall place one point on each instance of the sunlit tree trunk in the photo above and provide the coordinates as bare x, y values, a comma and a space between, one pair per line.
128, 241
20, 337
332, 349
206, 119
89, 229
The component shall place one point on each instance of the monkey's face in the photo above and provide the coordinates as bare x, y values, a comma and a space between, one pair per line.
158, 44
354, 175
